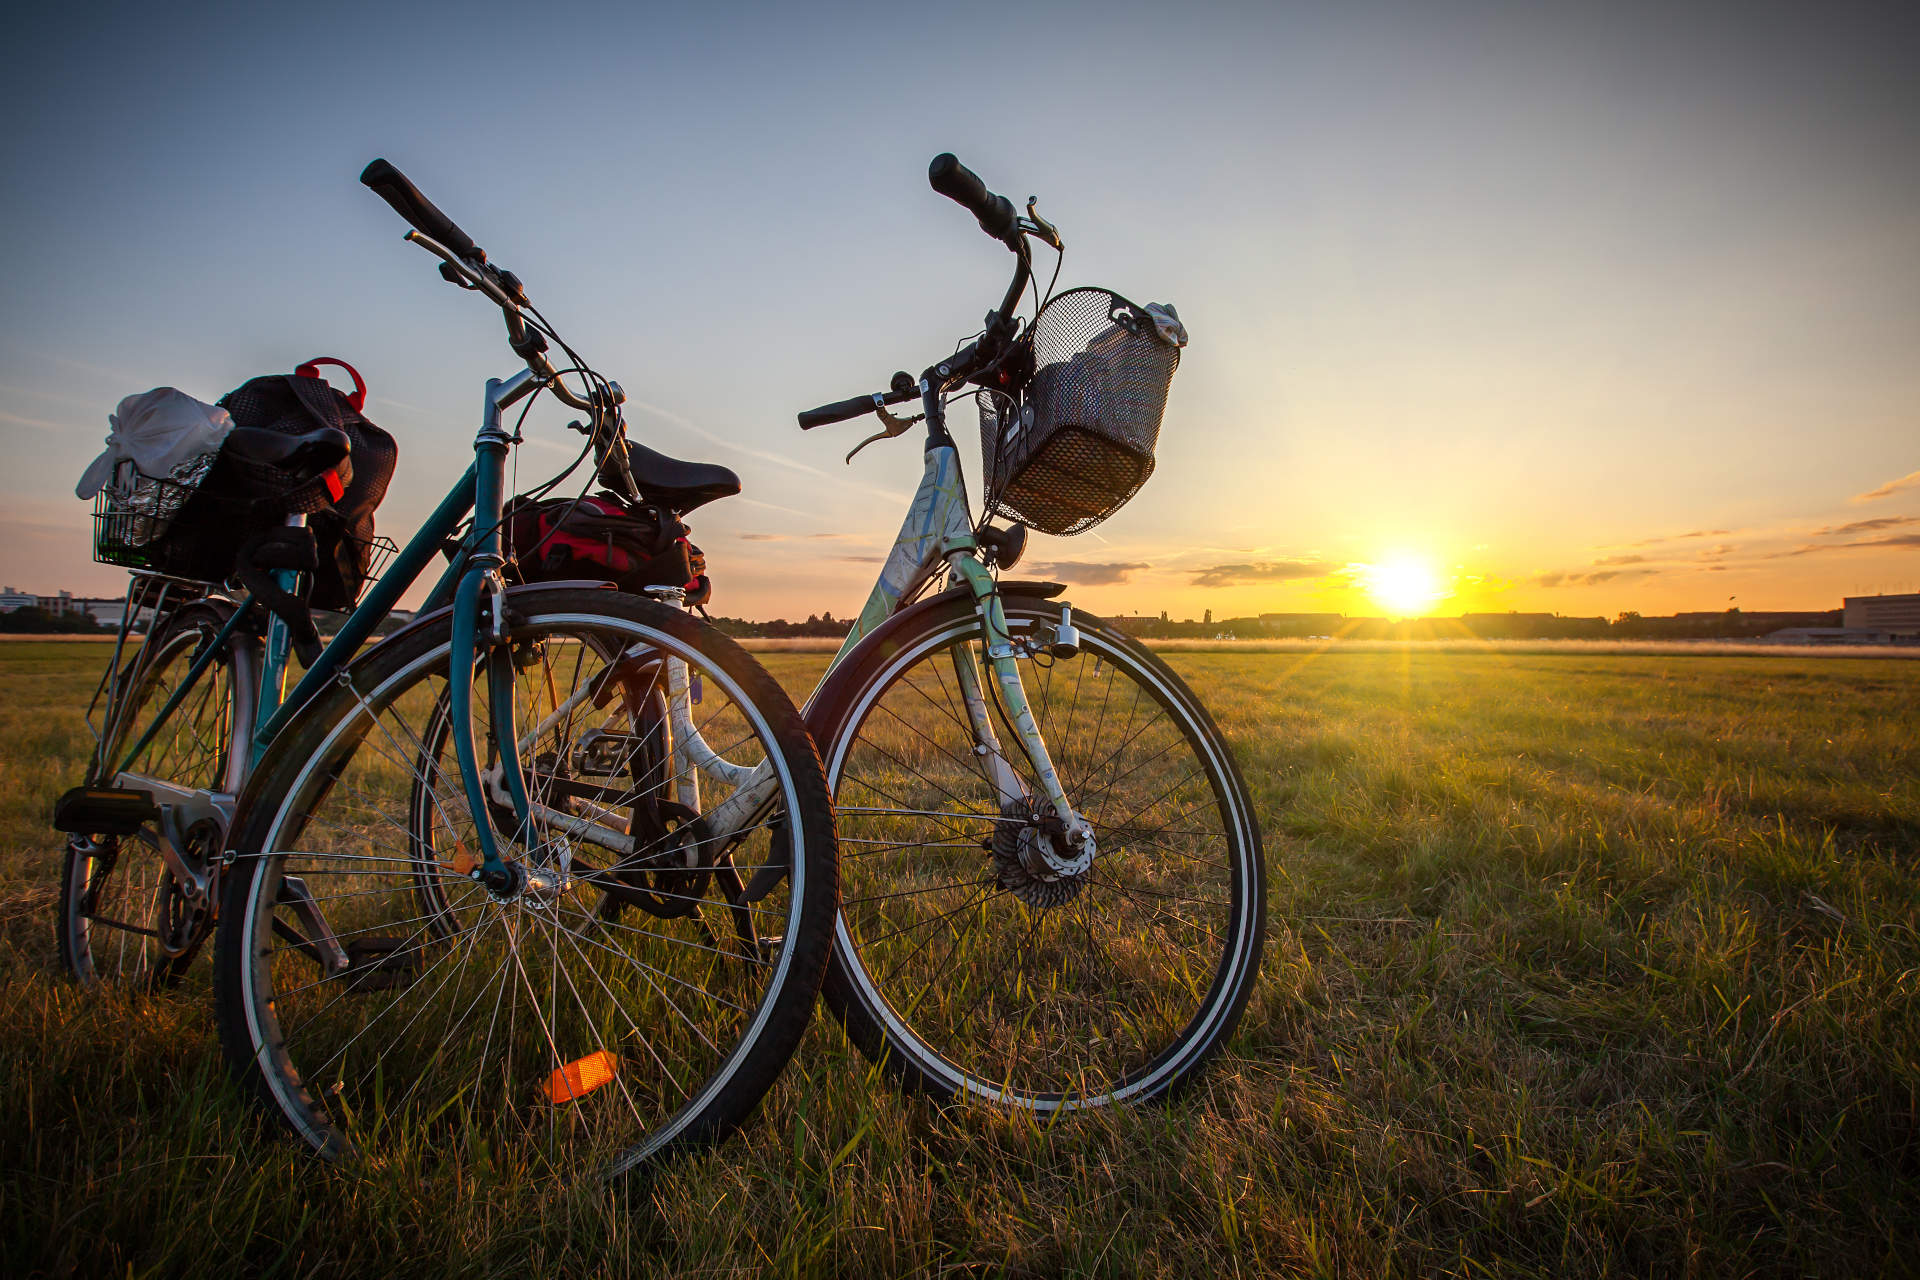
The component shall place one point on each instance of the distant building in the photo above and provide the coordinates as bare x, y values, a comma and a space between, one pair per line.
101, 609
1897, 614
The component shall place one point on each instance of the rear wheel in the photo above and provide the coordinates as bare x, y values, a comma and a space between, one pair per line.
124, 917
963, 960
378, 996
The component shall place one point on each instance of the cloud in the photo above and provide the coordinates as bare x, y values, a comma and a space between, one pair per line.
1562, 578
1717, 550
1083, 574
862, 559
1910, 480
37, 424
1235, 575
1621, 560
1680, 537
1814, 548
1867, 526
762, 537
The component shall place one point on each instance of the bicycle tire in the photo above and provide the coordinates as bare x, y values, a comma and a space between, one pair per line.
479, 1088
122, 918
955, 966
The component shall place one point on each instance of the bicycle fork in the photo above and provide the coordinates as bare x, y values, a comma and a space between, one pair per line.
1001, 658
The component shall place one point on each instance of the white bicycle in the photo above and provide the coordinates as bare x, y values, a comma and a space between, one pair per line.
1052, 885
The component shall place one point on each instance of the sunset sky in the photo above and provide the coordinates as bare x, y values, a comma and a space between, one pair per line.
1534, 307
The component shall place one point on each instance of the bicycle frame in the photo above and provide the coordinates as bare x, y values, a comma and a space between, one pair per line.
937, 532
471, 578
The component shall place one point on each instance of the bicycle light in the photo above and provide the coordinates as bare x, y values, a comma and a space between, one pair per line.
1066, 637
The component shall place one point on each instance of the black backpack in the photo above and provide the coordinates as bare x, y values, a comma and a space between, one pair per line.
340, 505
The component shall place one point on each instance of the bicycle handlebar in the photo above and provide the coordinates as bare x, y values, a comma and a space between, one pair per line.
421, 214
997, 218
963, 186
466, 265
842, 410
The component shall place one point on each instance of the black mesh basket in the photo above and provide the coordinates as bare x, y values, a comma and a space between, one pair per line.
190, 532
1078, 440
164, 526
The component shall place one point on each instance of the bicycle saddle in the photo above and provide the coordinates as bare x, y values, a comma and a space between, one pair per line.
306, 453
679, 486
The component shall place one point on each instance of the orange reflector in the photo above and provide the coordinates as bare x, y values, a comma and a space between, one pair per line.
462, 860
581, 1077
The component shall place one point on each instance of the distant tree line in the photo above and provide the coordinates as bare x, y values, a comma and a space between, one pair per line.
1730, 624
822, 624
39, 622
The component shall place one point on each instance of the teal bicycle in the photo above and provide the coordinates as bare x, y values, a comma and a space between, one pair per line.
469, 888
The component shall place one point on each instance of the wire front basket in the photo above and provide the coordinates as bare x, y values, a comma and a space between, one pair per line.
1077, 442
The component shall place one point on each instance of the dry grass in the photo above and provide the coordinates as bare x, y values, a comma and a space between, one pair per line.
1581, 963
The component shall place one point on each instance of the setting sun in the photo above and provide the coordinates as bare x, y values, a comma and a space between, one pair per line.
1405, 586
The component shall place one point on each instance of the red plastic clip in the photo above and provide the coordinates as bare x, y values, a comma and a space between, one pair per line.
311, 369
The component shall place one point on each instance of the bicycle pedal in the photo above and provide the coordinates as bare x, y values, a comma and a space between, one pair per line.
109, 811
381, 964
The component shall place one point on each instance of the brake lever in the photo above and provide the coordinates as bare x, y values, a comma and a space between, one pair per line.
896, 426
1041, 227
453, 276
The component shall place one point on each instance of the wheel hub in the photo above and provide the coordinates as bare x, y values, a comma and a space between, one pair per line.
1026, 853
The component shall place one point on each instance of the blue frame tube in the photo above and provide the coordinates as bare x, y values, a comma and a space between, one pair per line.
372, 610
483, 561
198, 669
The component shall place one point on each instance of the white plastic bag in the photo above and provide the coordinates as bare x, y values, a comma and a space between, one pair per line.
162, 432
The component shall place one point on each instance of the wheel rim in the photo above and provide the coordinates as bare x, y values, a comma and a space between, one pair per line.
575, 1033
993, 982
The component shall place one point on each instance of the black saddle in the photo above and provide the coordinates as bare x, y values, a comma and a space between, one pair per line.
305, 453
676, 485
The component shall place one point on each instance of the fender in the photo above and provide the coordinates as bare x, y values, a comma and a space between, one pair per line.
435, 615
826, 693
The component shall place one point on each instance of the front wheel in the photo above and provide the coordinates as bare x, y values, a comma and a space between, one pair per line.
602, 1008
963, 961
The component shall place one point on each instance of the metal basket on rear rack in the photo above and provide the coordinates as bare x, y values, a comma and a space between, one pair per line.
192, 532
141, 522
1077, 440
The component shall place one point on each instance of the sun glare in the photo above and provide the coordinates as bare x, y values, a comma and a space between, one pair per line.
1404, 586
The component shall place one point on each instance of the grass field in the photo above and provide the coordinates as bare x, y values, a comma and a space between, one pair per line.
1579, 964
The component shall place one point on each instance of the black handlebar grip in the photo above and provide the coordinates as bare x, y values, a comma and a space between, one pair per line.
839, 411
392, 186
963, 186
